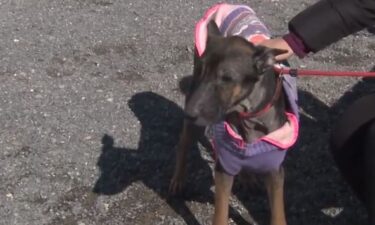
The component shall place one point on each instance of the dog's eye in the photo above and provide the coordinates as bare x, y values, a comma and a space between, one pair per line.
226, 78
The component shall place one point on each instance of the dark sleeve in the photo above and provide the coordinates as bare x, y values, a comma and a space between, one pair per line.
328, 21
296, 44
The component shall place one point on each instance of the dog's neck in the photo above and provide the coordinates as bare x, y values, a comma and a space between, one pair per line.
253, 128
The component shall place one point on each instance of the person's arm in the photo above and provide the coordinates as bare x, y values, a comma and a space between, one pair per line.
322, 24
328, 21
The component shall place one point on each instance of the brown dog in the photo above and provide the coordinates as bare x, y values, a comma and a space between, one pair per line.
234, 82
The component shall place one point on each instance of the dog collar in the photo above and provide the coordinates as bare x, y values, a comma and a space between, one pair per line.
267, 107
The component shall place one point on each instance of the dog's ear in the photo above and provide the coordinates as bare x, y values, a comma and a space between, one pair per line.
264, 58
107, 141
213, 29
213, 34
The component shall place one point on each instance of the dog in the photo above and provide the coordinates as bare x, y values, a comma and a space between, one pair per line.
250, 112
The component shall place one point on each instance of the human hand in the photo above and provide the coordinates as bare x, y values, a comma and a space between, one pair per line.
279, 43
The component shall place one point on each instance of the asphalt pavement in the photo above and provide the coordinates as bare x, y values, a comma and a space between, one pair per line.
90, 112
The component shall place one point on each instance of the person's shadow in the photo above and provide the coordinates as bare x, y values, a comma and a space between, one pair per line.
313, 174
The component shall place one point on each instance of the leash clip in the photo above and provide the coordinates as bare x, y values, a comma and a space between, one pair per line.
293, 72
289, 71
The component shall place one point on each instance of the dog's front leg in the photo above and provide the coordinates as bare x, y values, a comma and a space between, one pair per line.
223, 189
187, 139
275, 189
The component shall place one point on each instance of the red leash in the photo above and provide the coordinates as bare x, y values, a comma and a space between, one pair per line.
301, 72
297, 72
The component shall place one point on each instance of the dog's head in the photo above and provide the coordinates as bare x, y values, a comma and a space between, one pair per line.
225, 74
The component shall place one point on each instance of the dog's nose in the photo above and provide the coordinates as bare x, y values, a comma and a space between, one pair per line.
190, 117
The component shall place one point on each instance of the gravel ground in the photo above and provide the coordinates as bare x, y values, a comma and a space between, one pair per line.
90, 113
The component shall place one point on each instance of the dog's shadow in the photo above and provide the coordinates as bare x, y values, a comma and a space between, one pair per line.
153, 162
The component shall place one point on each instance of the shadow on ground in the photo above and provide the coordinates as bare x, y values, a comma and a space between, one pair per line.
313, 182
153, 162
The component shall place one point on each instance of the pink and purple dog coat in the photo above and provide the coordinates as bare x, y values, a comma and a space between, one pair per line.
232, 152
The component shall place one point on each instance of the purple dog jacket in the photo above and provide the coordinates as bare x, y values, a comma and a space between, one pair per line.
267, 153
